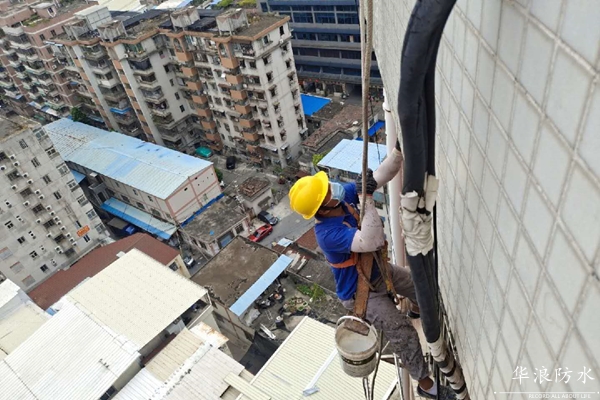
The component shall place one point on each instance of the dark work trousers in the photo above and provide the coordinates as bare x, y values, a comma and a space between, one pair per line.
396, 326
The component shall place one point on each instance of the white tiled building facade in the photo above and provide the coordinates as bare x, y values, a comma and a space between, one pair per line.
46, 222
518, 107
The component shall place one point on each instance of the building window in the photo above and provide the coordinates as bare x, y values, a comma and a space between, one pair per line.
77, 224
44, 268
110, 193
281, 30
69, 252
305, 36
57, 195
252, 64
46, 179
325, 18
13, 175
273, 92
156, 213
100, 228
26, 193
171, 82
82, 200
140, 205
150, 198
9, 225
91, 214
69, 210
21, 240
177, 96
51, 151
49, 223
35, 162
303, 18
23, 144
350, 19
38, 209
33, 254
63, 169
86, 238
269, 76
125, 199
135, 192
117, 184
239, 229
72, 185
29, 280
59, 238
3, 156
182, 108
267, 60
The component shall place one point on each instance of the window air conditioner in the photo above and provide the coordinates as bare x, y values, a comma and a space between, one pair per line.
12, 156
68, 235
2, 167
38, 192
14, 187
52, 213
41, 197
38, 221
59, 222
63, 228
26, 204
56, 218
48, 208
16, 163
48, 235
74, 244
30, 181
25, 175
71, 240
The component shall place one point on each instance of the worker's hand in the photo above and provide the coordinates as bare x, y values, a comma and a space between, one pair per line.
371, 183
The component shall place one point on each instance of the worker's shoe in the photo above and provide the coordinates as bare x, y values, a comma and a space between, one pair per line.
445, 393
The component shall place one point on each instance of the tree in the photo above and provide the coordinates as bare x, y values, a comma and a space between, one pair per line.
219, 174
224, 4
317, 158
77, 115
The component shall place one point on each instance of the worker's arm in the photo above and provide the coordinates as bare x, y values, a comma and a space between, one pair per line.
370, 237
388, 168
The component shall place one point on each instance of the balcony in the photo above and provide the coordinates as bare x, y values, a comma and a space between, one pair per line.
165, 122
94, 53
35, 69
204, 112
234, 78
247, 123
200, 60
126, 119
18, 44
45, 80
184, 56
13, 93
108, 83
156, 96
101, 69
239, 94
194, 85
230, 63
251, 137
14, 62
13, 31
212, 136
56, 103
115, 96
216, 146
160, 111
189, 71
243, 108
209, 124
7, 84
143, 67
150, 85
199, 98
244, 50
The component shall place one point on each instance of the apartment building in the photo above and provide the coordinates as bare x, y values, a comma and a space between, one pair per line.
326, 43
193, 78
147, 185
33, 79
46, 222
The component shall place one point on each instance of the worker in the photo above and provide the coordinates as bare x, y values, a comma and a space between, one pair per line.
334, 206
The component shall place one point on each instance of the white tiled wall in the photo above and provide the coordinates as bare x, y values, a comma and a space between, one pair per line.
519, 203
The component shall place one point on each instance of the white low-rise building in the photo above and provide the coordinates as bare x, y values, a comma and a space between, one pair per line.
150, 186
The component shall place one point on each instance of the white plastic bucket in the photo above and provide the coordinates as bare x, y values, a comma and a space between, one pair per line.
357, 352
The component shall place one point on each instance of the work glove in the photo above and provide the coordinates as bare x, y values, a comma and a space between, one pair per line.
371, 183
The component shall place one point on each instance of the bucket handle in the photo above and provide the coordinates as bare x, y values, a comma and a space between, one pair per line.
359, 320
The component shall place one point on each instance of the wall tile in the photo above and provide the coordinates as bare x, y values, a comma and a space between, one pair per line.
527, 266
459, 36
525, 126
489, 191
501, 266
471, 51
518, 305
580, 27
456, 78
511, 337
515, 179
490, 325
551, 163
507, 224
502, 96
497, 384
547, 11
590, 142
538, 350
575, 358
537, 220
485, 73
536, 62
581, 212
453, 116
553, 321
566, 270
485, 229
568, 91
588, 322
464, 137
461, 177
490, 22
474, 10
472, 199
476, 164
512, 23
505, 365
495, 295
480, 261
466, 98
496, 149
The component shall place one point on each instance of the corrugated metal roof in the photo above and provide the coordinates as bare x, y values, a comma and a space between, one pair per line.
136, 284
245, 300
17, 326
289, 371
174, 355
71, 356
199, 376
8, 290
347, 156
312, 104
153, 169
139, 218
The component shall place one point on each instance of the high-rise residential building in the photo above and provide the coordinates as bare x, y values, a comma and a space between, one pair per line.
326, 43
193, 78
32, 78
46, 222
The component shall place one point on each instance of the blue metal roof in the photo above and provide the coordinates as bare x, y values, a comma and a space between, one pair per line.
376, 126
260, 285
312, 104
78, 176
139, 218
347, 156
153, 169
119, 111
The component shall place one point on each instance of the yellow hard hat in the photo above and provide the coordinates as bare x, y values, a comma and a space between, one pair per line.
308, 193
